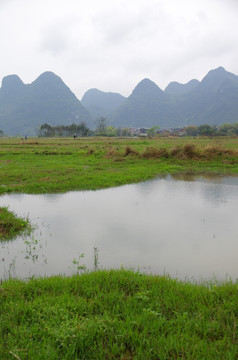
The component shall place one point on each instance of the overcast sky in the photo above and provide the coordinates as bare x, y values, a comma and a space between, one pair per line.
111, 45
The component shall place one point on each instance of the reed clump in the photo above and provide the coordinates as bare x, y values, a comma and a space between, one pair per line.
111, 153
188, 151
215, 151
175, 152
130, 151
152, 152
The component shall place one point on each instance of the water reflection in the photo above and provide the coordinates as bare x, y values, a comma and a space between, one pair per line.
184, 228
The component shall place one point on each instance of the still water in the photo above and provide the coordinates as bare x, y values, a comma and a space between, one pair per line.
184, 227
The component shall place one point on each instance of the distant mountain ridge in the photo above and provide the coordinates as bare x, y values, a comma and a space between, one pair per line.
100, 103
143, 107
176, 88
214, 100
23, 108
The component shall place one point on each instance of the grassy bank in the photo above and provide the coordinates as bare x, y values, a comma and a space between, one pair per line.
59, 165
117, 315
11, 225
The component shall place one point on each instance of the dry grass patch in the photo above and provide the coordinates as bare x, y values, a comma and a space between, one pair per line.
130, 151
152, 152
111, 153
188, 151
31, 142
91, 151
214, 151
176, 152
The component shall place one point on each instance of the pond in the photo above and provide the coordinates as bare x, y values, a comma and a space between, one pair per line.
182, 226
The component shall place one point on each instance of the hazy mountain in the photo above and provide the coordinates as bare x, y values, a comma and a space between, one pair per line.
176, 88
100, 103
23, 108
214, 100
148, 105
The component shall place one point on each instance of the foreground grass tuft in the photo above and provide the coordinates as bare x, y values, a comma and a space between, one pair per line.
11, 225
117, 314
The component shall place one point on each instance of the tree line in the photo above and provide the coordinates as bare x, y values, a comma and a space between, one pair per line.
212, 130
47, 130
102, 129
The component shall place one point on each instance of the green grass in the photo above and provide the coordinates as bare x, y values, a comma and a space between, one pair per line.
11, 225
59, 165
117, 314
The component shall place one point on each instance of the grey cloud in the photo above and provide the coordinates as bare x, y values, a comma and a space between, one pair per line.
4, 2
54, 43
119, 25
229, 2
57, 36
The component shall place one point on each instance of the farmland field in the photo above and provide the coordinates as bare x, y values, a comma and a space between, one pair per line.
51, 165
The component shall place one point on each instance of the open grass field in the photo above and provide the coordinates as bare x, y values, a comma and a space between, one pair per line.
117, 314
44, 165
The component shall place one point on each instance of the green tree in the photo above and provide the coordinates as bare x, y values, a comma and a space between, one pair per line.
125, 132
101, 126
235, 128
207, 130
191, 130
153, 131
228, 129
46, 130
64, 130
111, 131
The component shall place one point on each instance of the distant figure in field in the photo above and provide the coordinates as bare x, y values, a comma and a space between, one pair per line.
75, 135
25, 137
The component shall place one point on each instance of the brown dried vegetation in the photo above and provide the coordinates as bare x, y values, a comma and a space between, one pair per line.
91, 151
214, 151
111, 153
152, 152
130, 151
